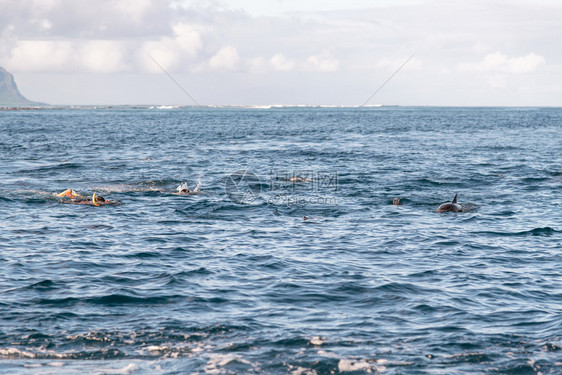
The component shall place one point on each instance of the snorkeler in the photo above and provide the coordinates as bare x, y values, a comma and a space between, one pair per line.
72, 197
183, 189
69, 193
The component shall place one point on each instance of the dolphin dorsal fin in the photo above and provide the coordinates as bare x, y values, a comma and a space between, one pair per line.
454, 199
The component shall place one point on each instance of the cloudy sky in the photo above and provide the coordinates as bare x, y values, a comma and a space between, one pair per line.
251, 52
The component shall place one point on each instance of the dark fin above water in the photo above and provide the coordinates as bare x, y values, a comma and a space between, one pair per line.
454, 199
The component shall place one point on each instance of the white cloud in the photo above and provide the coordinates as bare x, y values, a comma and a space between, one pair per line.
7, 31
37, 55
43, 5
277, 49
281, 63
187, 38
413, 63
257, 65
497, 82
498, 62
134, 9
323, 64
44, 24
226, 59
172, 53
526, 64
164, 52
98, 56
103, 56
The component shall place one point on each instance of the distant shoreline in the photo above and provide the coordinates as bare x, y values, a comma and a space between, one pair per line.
248, 107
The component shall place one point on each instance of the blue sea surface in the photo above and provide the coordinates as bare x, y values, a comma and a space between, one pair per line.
265, 273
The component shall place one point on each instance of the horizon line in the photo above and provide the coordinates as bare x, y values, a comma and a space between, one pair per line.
256, 106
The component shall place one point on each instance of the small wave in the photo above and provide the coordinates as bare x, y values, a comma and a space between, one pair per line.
403, 288
99, 226
56, 167
145, 186
432, 182
143, 255
120, 299
102, 354
110, 300
545, 231
533, 180
42, 285
36, 201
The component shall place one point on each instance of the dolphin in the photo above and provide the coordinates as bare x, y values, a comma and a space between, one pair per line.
452, 207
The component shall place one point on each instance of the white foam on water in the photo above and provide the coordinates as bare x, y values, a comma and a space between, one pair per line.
31, 191
129, 369
56, 364
16, 353
156, 350
347, 365
176, 351
198, 186
328, 354
317, 340
216, 361
33, 365
124, 188
301, 370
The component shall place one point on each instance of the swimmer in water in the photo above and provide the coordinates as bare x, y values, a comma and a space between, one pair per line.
183, 189
72, 197
69, 193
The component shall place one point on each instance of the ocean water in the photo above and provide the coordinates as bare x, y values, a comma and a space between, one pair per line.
261, 273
